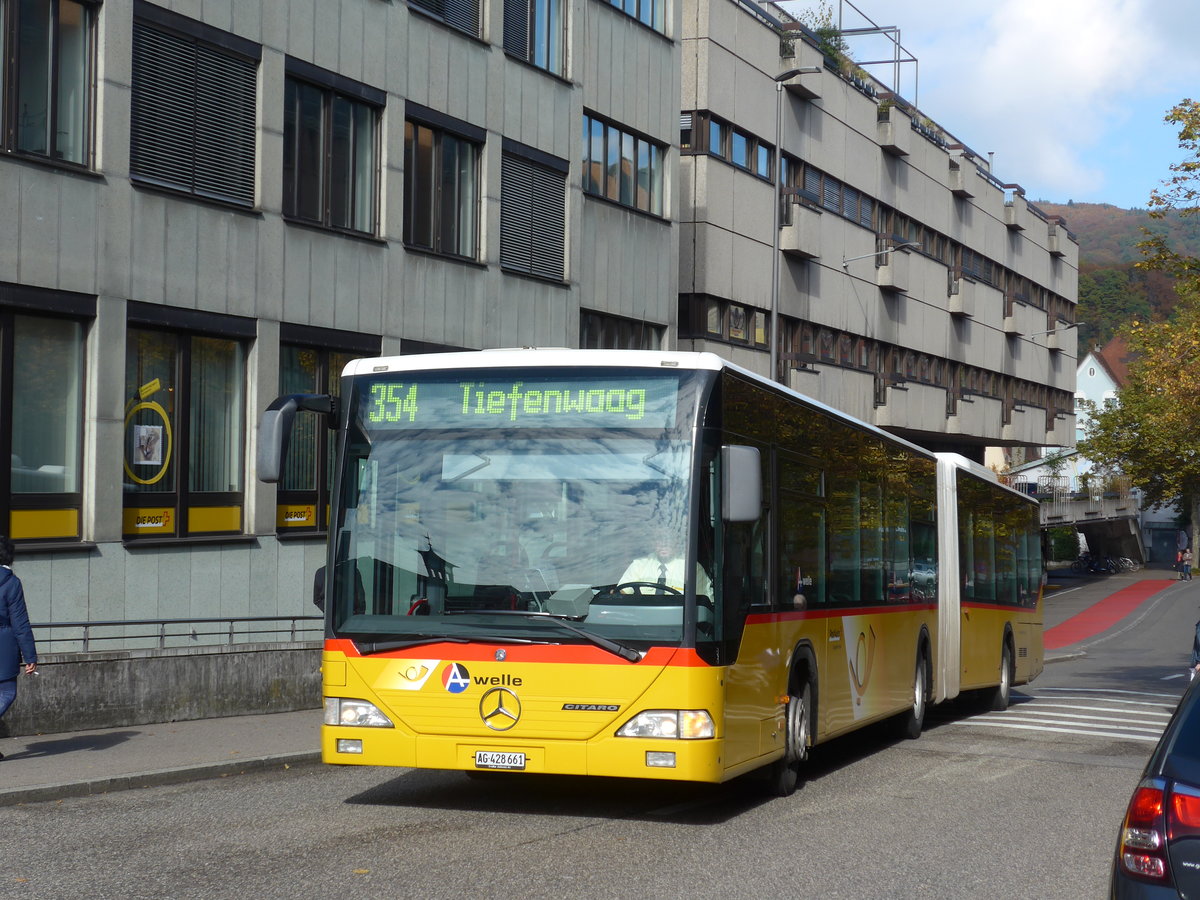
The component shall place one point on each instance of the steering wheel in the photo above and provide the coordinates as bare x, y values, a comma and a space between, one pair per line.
636, 588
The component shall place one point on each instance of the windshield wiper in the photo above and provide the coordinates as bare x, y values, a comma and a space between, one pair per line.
614, 647
367, 648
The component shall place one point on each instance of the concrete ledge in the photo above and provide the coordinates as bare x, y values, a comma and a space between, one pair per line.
155, 778
116, 689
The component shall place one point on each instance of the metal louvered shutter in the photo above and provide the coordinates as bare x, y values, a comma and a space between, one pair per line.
532, 218
226, 88
516, 28
162, 128
833, 195
193, 117
866, 212
812, 184
462, 14
549, 223
516, 214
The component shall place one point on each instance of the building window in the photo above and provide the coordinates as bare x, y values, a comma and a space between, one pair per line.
651, 13
441, 185
41, 415
330, 149
184, 424
310, 366
704, 317
599, 331
47, 59
194, 95
533, 196
727, 142
621, 166
535, 31
460, 14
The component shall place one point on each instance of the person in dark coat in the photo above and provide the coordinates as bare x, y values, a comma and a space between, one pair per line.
16, 637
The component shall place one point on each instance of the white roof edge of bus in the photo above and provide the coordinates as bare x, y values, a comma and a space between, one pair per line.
516, 357
955, 460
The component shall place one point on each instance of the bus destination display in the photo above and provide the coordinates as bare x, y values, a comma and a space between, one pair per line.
519, 403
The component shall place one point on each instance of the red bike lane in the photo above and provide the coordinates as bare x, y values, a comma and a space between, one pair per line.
1103, 614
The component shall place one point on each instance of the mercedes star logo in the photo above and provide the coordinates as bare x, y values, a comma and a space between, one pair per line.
500, 709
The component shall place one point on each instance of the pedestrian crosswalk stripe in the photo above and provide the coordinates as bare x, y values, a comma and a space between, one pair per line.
1128, 737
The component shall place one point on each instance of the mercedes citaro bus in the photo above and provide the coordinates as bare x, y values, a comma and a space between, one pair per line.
488, 506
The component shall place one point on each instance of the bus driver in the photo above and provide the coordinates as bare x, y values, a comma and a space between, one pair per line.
665, 566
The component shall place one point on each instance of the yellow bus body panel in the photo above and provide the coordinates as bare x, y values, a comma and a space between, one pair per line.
570, 711
567, 723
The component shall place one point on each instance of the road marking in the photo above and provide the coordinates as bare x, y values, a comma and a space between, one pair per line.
1106, 691
1163, 714
1127, 737
1087, 712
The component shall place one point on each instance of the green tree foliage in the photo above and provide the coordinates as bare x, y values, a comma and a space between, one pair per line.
820, 20
1152, 433
1179, 194
1109, 299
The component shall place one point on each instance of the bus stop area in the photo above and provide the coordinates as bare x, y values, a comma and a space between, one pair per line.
54, 766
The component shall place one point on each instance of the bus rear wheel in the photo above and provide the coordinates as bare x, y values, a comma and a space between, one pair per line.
1000, 696
913, 721
784, 774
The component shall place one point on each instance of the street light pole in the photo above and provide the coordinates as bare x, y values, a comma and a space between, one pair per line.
775, 336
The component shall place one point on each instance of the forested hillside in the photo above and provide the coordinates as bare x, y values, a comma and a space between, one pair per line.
1111, 291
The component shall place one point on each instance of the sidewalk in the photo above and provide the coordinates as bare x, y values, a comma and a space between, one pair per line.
54, 766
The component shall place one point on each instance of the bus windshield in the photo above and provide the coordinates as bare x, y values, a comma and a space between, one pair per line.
480, 505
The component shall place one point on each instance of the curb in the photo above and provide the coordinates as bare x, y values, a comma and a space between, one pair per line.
155, 778
1064, 657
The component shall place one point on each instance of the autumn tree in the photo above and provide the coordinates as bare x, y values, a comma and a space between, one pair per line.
1152, 432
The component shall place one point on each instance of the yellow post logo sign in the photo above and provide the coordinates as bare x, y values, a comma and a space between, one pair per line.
292, 516
159, 520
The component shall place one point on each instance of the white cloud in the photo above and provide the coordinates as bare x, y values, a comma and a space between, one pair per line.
1049, 85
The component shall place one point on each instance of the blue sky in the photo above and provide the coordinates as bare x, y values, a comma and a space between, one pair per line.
1069, 94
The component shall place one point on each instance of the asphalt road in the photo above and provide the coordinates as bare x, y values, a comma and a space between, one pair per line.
1018, 804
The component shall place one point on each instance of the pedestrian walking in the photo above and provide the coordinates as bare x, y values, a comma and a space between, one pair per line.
17, 650
1185, 564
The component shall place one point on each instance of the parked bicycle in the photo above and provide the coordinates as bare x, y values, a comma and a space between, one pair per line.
1096, 564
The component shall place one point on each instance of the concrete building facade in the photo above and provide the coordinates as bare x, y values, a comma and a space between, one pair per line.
213, 203
916, 290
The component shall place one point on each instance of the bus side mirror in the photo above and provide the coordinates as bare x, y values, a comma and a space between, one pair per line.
275, 430
741, 483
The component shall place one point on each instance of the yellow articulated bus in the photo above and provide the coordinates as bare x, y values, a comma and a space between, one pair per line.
645, 564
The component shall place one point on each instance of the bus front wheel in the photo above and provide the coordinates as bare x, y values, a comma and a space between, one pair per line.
784, 774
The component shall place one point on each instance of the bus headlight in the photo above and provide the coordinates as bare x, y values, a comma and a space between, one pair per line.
682, 724
344, 711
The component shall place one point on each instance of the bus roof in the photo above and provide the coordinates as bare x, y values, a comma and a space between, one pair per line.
566, 357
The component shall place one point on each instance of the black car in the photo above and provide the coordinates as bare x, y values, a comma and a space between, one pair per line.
1158, 849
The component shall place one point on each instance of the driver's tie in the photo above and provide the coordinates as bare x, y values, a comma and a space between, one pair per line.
662, 573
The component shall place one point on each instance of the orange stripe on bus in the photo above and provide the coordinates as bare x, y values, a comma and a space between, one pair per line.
514, 653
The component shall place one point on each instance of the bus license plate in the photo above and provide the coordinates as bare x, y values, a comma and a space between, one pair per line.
493, 759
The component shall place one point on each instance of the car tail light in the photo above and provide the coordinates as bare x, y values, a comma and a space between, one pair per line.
1143, 846
1184, 813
